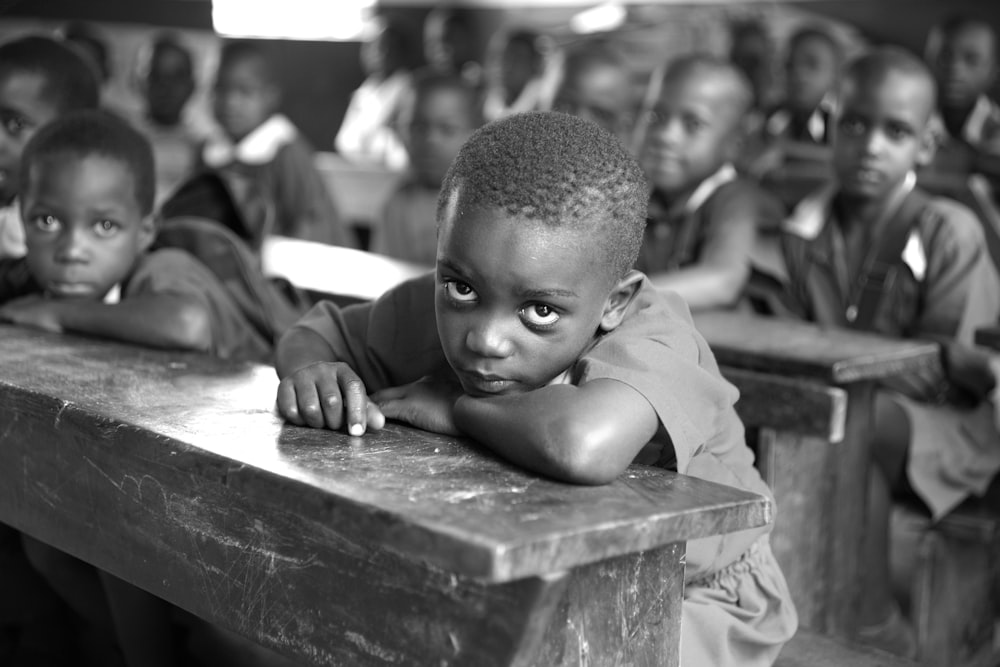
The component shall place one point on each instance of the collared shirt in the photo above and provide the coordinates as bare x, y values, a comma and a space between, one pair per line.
816, 127
12, 243
259, 146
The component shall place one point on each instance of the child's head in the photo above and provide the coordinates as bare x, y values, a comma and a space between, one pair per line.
596, 85
444, 112
40, 79
169, 80
697, 123
88, 186
540, 220
521, 60
387, 50
884, 126
449, 36
812, 68
965, 64
246, 90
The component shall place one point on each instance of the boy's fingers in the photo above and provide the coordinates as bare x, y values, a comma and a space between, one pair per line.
389, 393
352, 390
376, 420
310, 410
288, 406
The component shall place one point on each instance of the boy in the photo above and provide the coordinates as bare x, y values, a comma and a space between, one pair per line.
40, 79
537, 339
965, 67
264, 152
875, 253
596, 85
810, 81
444, 111
87, 196
703, 218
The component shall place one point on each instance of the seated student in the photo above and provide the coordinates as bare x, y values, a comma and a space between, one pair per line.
369, 132
86, 200
450, 45
40, 79
265, 152
597, 85
443, 112
526, 338
964, 63
518, 77
703, 217
875, 253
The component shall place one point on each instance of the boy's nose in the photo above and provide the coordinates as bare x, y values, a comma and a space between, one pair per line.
487, 339
72, 247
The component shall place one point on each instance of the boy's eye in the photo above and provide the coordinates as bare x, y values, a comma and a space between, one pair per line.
539, 315
459, 291
692, 124
13, 124
106, 227
897, 132
46, 223
852, 126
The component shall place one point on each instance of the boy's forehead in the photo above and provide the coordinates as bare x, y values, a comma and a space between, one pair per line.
719, 91
978, 35
887, 89
27, 92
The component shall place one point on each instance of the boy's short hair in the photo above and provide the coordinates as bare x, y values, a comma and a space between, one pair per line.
427, 82
818, 33
240, 49
703, 64
70, 81
82, 134
560, 171
876, 64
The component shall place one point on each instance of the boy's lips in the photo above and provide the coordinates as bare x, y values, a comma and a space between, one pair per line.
71, 288
481, 384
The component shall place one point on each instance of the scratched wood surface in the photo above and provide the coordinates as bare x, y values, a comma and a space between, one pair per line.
171, 471
791, 347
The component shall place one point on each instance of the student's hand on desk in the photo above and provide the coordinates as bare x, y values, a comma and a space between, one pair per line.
328, 395
428, 404
32, 311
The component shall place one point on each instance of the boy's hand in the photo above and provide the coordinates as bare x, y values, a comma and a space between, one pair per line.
428, 403
328, 395
32, 311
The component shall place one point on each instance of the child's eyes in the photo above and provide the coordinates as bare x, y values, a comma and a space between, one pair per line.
852, 126
459, 291
897, 132
692, 124
46, 223
539, 315
13, 124
106, 227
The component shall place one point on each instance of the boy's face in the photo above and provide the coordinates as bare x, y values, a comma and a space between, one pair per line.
694, 131
882, 133
169, 86
243, 98
517, 302
84, 227
811, 72
965, 66
600, 93
439, 126
23, 109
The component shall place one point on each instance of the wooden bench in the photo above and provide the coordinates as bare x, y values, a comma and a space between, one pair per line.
172, 472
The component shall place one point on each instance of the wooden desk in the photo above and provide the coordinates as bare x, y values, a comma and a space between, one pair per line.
401, 547
819, 479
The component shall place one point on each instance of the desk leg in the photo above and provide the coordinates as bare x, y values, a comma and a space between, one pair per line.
821, 490
622, 611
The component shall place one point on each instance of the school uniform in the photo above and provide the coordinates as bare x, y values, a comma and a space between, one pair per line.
276, 165
737, 609
12, 243
367, 135
982, 128
814, 128
408, 229
944, 287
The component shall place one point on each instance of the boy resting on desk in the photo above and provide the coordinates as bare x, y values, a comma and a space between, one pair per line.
536, 338
875, 253
703, 217
40, 80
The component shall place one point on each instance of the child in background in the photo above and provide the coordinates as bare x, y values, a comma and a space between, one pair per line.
877, 254
810, 84
518, 75
450, 44
262, 148
526, 339
597, 85
444, 112
965, 66
703, 217
40, 79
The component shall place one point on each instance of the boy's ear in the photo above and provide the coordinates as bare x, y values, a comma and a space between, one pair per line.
618, 301
929, 140
147, 232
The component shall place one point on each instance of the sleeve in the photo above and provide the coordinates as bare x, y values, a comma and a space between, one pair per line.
388, 342
172, 271
732, 217
303, 204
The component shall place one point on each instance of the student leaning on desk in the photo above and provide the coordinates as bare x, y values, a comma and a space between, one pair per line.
536, 338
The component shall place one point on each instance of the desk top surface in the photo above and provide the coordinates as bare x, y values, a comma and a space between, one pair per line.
443, 501
791, 347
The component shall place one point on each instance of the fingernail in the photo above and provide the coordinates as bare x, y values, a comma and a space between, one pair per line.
356, 429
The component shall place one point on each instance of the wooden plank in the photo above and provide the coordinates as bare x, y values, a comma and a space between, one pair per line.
793, 347
789, 404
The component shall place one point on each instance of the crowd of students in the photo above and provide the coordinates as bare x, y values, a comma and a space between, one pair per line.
568, 248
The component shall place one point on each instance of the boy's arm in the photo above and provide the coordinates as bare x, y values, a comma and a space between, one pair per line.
158, 320
585, 434
305, 201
